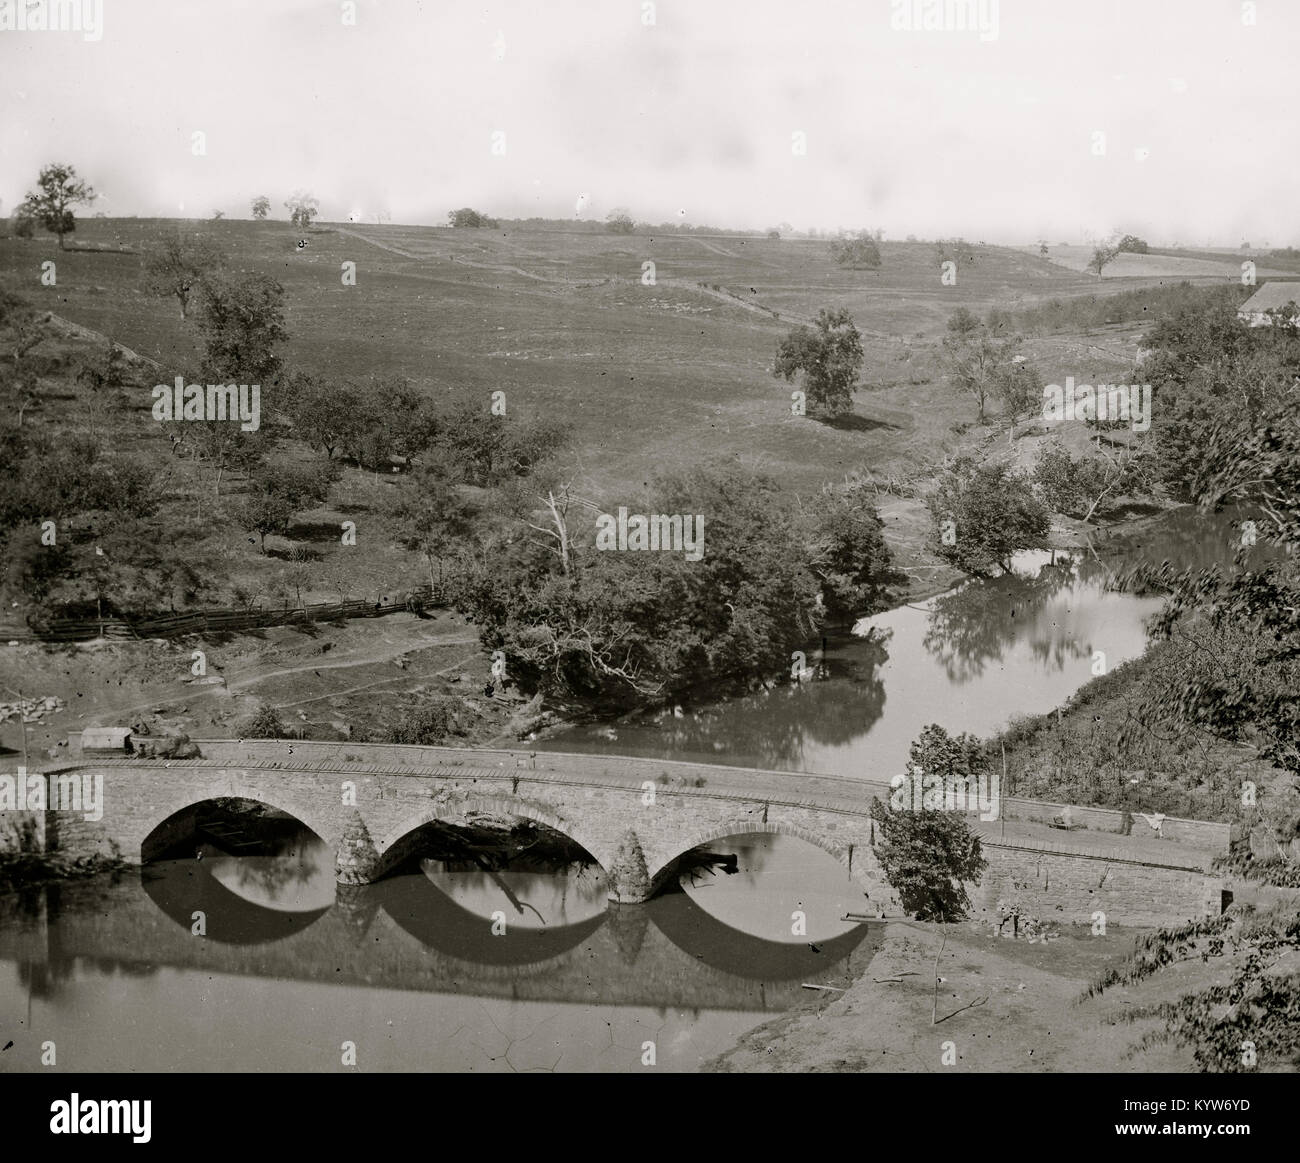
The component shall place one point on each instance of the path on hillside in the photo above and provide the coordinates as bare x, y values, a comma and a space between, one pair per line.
561, 281
369, 658
465, 262
382, 682
387, 654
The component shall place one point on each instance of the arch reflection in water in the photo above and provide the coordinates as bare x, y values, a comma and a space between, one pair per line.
257, 875
430, 914
181, 888
783, 889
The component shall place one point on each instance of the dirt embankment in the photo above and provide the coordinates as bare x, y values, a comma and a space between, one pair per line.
334, 681
1001, 1005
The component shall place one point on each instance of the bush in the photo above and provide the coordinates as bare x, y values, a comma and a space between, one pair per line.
429, 723
265, 724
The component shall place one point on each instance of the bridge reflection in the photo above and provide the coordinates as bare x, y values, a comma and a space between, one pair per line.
406, 933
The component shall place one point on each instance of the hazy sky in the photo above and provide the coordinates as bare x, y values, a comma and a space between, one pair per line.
926, 132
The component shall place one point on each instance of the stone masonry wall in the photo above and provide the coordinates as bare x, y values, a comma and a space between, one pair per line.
1070, 886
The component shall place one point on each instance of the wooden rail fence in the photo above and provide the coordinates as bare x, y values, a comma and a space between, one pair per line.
214, 621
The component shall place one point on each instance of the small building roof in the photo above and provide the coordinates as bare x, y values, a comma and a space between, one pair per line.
1270, 295
105, 736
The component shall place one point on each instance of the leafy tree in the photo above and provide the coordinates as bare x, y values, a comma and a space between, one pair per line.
484, 449
58, 190
466, 217
326, 414
261, 206
107, 372
964, 323
774, 235
950, 757
985, 513
980, 365
435, 520
857, 252
176, 264
830, 356
1195, 333
264, 512
1211, 373
1064, 480
1132, 244
1079, 485
620, 626
302, 207
1255, 697
927, 857
263, 724
275, 495
619, 221
1018, 386
242, 321
1102, 257
848, 553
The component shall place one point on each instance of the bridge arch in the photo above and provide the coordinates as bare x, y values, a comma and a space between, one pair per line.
858, 860
391, 848
168, 816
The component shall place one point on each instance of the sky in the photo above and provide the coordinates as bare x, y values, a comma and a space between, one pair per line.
737, 113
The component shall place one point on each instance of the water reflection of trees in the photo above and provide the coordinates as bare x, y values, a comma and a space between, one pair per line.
972, 626
275, 875
841, 702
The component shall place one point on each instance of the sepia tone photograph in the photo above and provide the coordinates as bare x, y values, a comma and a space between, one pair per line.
639, 537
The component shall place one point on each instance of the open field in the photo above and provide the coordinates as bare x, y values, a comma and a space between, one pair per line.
649, 376
1168, 264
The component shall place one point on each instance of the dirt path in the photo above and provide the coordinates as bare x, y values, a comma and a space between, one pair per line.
393, 650
457, 665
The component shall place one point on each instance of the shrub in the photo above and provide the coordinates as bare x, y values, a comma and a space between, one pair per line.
264, 724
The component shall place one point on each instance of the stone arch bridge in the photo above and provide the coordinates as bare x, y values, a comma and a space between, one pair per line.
635, 817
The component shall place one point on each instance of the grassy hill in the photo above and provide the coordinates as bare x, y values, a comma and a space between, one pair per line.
647, 375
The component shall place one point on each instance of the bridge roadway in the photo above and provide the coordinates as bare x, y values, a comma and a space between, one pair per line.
635, 817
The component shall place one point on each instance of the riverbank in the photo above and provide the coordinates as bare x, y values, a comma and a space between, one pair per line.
25, 870
1001, 1005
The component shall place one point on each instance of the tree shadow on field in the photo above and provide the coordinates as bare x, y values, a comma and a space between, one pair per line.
852, 422
309, 531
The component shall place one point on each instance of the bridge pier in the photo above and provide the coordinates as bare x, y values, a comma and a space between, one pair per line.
627, 876
356, 858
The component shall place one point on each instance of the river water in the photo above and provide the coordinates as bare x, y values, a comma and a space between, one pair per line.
260, 962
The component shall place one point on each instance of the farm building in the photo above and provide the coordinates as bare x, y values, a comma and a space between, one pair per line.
1271, 296
106, 741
